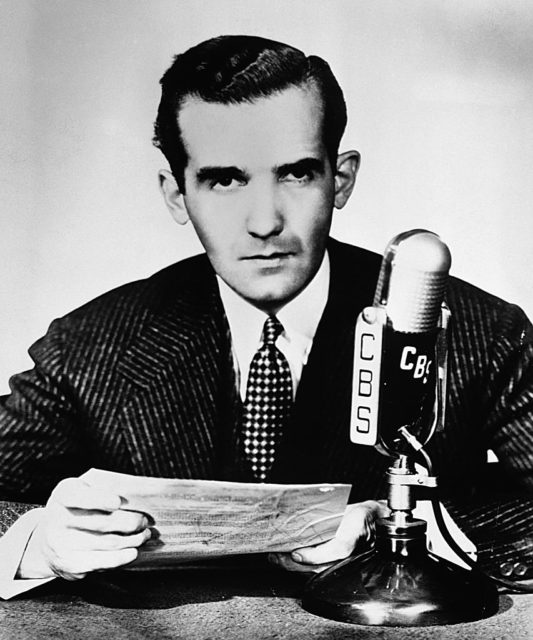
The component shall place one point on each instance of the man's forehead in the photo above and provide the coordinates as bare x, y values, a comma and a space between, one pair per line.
278, 128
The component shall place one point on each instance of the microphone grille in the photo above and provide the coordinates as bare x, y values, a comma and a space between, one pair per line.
413, 279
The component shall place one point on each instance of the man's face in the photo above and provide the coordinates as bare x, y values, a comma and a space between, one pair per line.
260, 191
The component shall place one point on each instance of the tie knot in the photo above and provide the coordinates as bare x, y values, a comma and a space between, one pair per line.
272, 329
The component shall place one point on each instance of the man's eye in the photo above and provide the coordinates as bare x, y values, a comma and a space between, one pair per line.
299, 176
225, 183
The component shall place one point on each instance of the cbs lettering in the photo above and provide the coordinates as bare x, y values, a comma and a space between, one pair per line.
410, 360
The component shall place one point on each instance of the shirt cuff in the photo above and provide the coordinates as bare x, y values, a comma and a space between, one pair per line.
12, 546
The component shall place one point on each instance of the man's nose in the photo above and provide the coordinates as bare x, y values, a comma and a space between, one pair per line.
265, 214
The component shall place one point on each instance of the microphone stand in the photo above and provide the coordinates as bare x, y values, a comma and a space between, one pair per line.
399, 582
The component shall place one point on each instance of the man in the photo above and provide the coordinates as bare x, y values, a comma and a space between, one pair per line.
156, 377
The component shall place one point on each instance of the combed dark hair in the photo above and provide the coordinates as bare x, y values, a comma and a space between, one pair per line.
236, 69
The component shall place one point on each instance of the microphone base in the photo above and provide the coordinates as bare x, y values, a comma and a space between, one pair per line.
399, 583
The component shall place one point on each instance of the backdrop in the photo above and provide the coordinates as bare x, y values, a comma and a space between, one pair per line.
439, 93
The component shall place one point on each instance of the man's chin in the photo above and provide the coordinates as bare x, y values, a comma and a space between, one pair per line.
271, 301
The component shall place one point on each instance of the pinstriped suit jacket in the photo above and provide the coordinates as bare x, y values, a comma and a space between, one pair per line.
141, 381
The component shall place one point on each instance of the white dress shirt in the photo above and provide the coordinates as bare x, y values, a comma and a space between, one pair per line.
12, 546
299, 317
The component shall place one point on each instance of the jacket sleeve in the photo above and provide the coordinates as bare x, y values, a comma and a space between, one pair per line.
498, 515
40, 434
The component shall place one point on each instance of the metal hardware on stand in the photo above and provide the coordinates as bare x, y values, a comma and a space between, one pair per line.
398, 582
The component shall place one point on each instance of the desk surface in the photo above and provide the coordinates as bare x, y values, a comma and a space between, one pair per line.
215, 604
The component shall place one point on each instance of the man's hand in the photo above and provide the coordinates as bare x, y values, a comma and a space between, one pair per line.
356, 527
82, 530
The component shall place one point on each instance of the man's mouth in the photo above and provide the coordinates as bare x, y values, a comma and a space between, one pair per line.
275, 255
269, 261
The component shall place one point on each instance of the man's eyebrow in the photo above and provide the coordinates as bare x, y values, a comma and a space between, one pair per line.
305, 165
212, 174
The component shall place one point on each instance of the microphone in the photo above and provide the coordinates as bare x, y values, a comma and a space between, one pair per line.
400, 351
398, 402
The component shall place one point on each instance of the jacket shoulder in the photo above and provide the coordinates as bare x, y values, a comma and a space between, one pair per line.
354, 263
490, 314
349, 254
148, 294
117, 316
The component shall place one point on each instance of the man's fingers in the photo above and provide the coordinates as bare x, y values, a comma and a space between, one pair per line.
114, 559
325, 553
77, 565
76, 505
88, 542
358, 522
86, 552
113, 541
74, 493
284, 561
83, 529
123, 522
357, 525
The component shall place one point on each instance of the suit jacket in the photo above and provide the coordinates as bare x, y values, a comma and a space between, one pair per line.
141, 381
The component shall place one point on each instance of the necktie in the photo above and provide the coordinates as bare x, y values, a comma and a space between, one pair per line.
268, 401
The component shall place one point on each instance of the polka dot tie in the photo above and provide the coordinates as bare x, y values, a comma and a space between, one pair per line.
268, 401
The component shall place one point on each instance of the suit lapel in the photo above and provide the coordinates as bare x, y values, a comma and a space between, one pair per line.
179, 411
317, 448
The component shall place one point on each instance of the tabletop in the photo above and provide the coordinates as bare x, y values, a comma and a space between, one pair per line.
219, 602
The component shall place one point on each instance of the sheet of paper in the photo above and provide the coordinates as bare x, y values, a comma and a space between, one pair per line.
197, 519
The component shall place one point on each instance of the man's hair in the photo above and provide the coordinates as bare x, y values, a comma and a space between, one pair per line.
237, 69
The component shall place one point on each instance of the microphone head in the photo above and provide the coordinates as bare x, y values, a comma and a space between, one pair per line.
412, 280
400, 352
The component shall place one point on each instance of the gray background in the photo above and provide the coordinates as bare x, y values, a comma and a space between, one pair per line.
439, 92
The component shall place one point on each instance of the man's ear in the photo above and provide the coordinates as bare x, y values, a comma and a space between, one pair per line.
347, 167
173, 197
